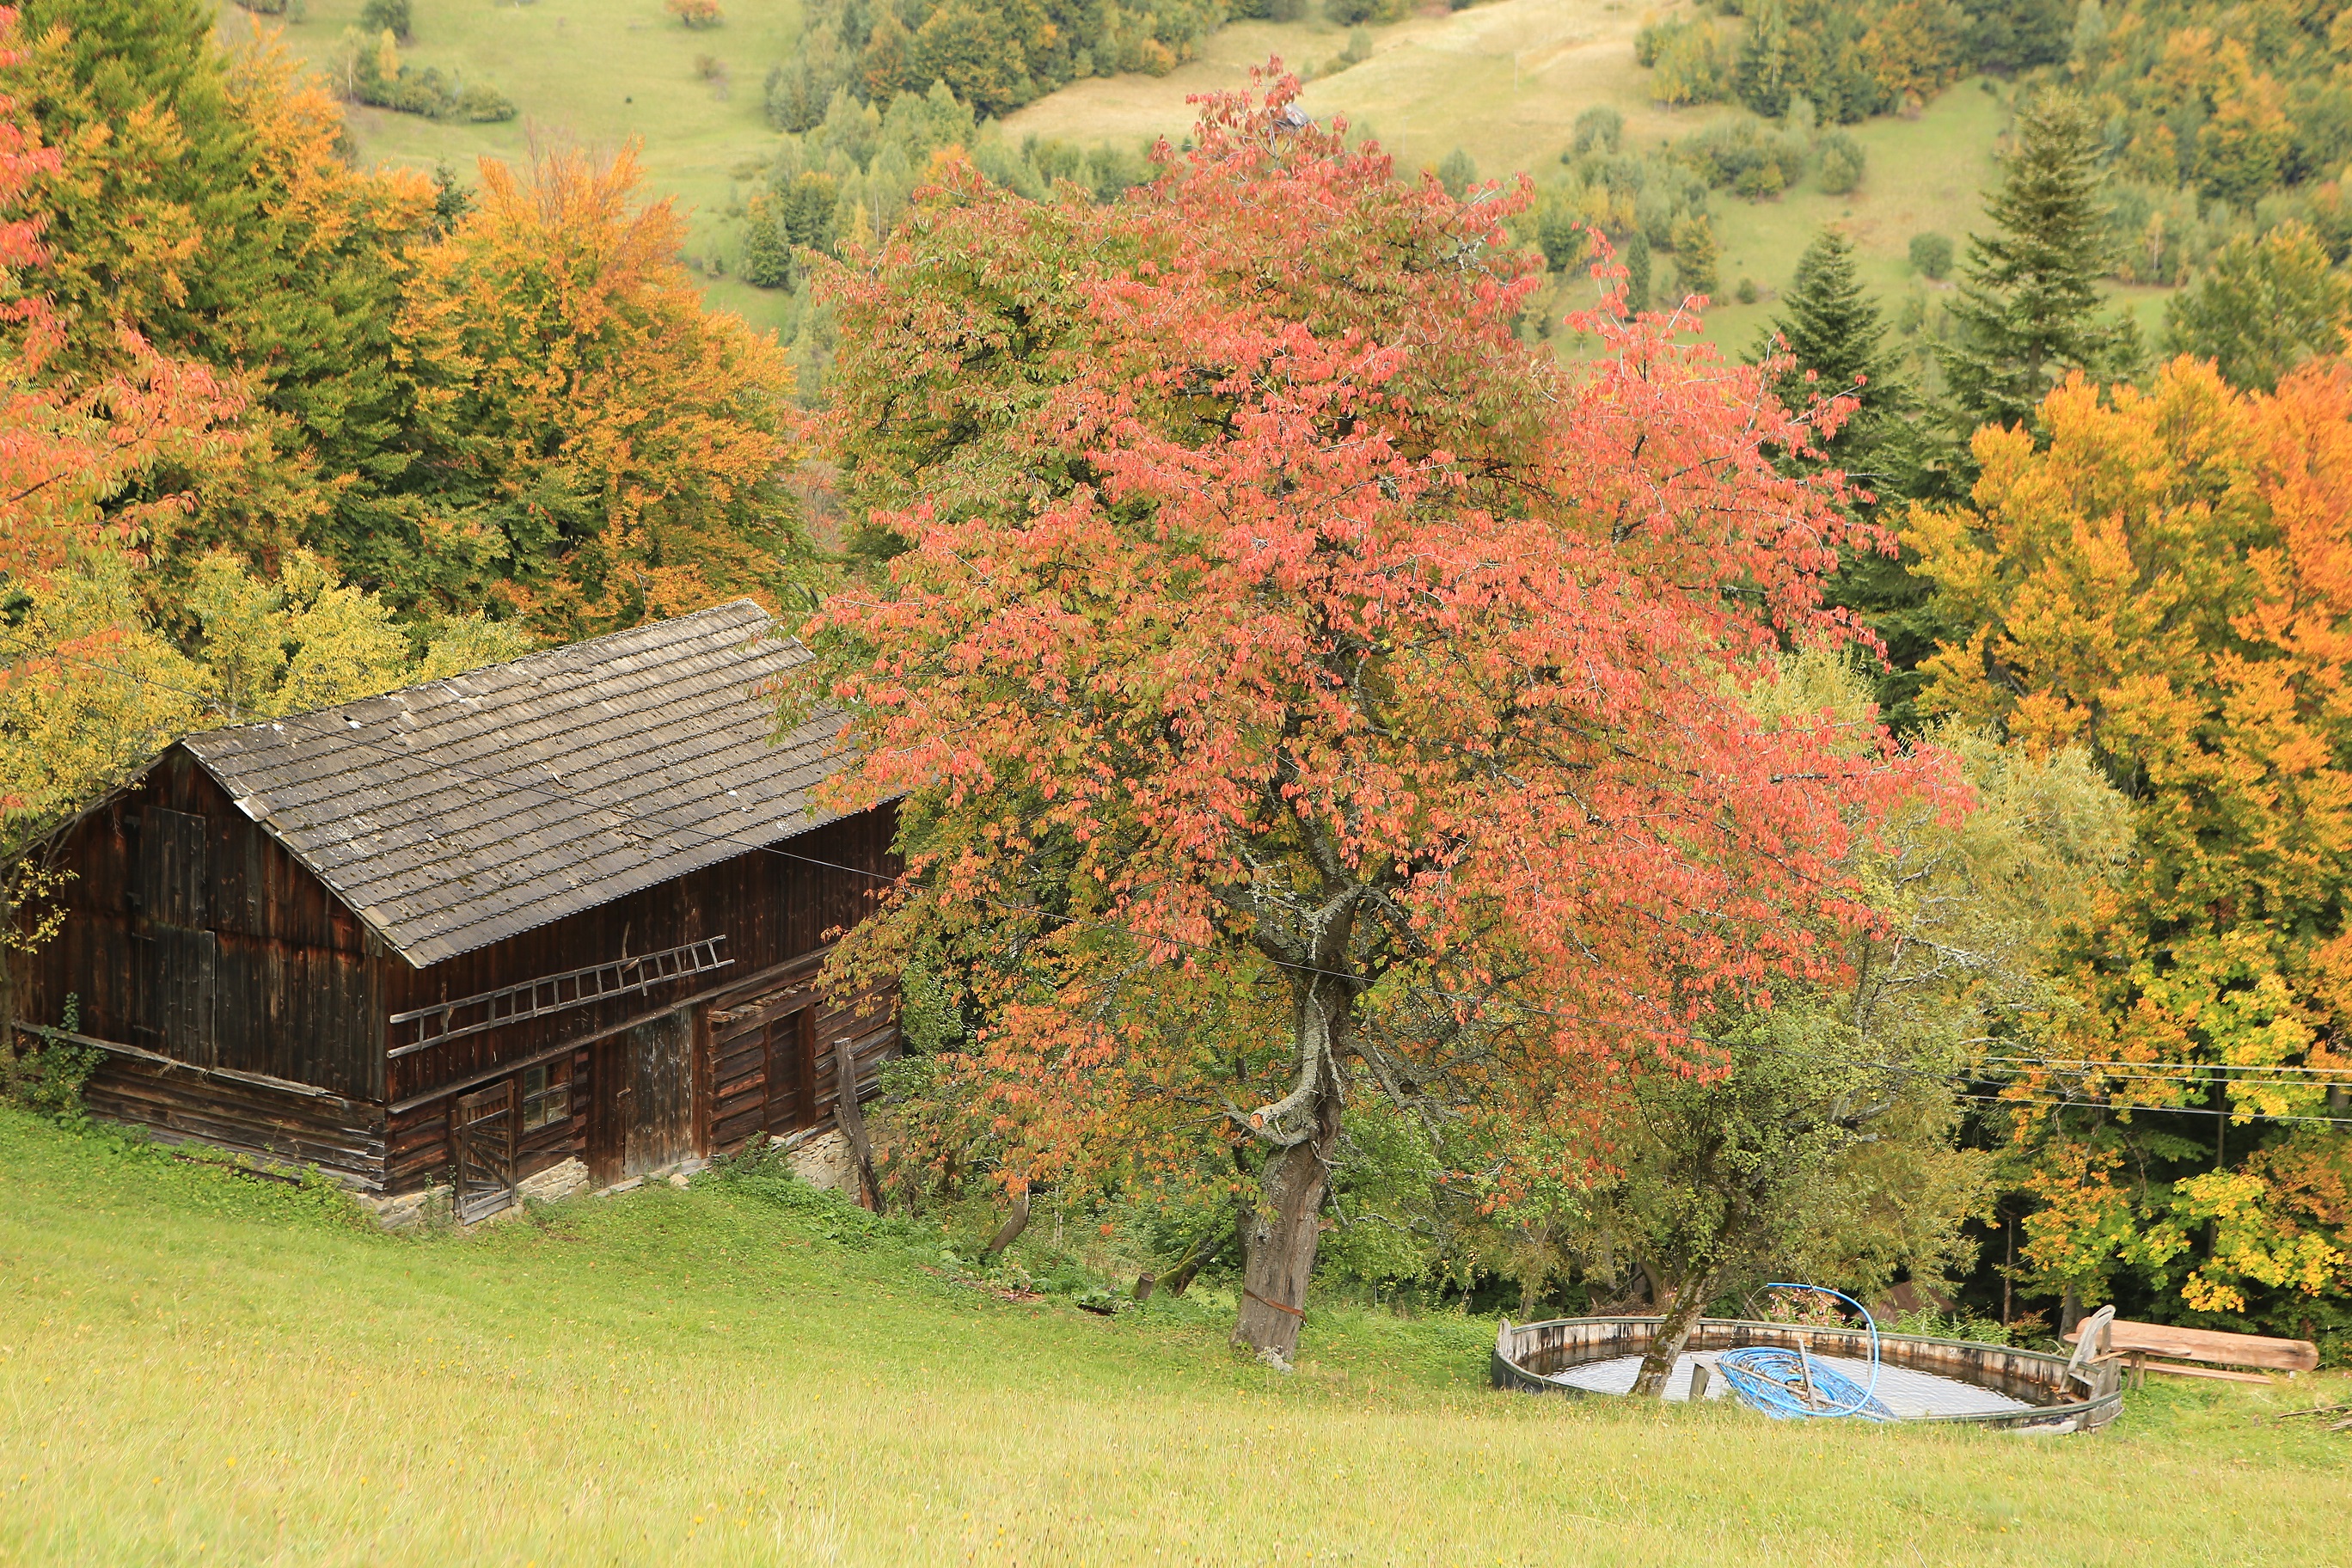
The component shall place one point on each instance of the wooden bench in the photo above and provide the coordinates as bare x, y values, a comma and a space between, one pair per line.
2137, 1345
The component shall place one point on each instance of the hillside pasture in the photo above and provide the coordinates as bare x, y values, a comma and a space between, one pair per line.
198, 1366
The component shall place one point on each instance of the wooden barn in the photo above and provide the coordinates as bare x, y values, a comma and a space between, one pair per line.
569, 908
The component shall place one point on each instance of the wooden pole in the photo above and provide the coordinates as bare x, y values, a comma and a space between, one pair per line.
852, 1119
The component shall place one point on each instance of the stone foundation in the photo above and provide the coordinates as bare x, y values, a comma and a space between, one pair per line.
825, 1159
555, 1184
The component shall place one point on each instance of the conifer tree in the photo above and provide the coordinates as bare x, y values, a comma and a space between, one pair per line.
1833, 332
2027, 312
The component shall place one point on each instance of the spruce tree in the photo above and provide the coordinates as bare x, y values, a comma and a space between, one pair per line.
2028, 310
1829, 324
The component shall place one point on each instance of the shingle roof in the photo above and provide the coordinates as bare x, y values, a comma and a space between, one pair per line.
456, 813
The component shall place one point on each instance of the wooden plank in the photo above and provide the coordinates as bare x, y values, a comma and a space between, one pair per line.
2209, 1345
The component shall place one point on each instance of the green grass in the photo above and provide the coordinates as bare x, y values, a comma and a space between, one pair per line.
198, 1367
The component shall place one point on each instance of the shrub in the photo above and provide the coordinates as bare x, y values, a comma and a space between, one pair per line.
1931, 254
1840, 163
1457, 173
1745, 154
387, 17
48, 1079
1746, 293
1600, 128
697, 13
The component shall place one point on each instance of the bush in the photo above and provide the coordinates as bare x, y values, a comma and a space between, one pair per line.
1745, 154
1746, 293
1457, 173
1600, 128
1931, 254
697, 13
386, 16
1840, 163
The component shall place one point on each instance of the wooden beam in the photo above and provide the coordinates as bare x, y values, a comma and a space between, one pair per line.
852, 1117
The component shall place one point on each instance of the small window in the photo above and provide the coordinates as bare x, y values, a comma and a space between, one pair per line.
546, 1097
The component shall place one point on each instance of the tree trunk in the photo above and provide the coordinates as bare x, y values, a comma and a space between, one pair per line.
1673, 1333
1278, 1248
1202, 1253
1010, 1231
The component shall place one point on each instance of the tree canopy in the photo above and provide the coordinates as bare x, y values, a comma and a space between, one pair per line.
1271, 616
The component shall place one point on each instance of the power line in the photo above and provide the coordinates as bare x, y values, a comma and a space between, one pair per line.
2166, 1109
2128, 1069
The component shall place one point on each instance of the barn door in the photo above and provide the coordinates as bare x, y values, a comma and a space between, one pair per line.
483, 1133
791, 1072
660, 1124
179, 955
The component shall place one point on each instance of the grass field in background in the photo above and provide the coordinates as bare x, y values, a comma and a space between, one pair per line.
1502, 81
197, 1367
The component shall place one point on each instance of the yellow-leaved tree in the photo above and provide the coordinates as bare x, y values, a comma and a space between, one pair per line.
2169, 581
587, 443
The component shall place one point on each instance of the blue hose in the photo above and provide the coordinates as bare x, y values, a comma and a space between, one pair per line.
1763, 1376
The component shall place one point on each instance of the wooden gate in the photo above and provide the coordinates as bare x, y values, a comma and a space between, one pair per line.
661, 1094
483, 1133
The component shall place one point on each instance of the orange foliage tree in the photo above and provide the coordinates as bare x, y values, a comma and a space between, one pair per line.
1304, 696
2170, 580
586, 442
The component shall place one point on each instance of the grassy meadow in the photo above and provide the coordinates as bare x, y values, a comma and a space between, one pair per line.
199, 1367
1502, 81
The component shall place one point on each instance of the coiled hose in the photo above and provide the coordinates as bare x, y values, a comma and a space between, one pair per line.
1775, 1381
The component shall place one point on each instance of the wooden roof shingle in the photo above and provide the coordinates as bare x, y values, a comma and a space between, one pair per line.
456, 813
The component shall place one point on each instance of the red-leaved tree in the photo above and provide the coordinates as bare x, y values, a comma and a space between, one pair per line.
1302, 692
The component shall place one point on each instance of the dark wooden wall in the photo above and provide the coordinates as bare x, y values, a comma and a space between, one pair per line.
775, 908
191, 933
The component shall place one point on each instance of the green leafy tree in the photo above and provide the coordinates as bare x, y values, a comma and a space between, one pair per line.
1824, 1148
1457, 173
2262, 308
2028, 311
1696, 252
766, 261
392, 16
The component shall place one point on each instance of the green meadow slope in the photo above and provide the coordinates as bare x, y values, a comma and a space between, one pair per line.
1503, 83
199, 1367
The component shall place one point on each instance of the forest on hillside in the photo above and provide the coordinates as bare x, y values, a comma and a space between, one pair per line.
1579, 834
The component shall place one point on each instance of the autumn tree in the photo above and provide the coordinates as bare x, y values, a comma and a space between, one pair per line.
196, 207
2166, 583
1300, 692
2028, 311
2263, 306
585, 445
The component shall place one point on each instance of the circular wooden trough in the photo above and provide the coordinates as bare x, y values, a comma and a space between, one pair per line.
2050, 1393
